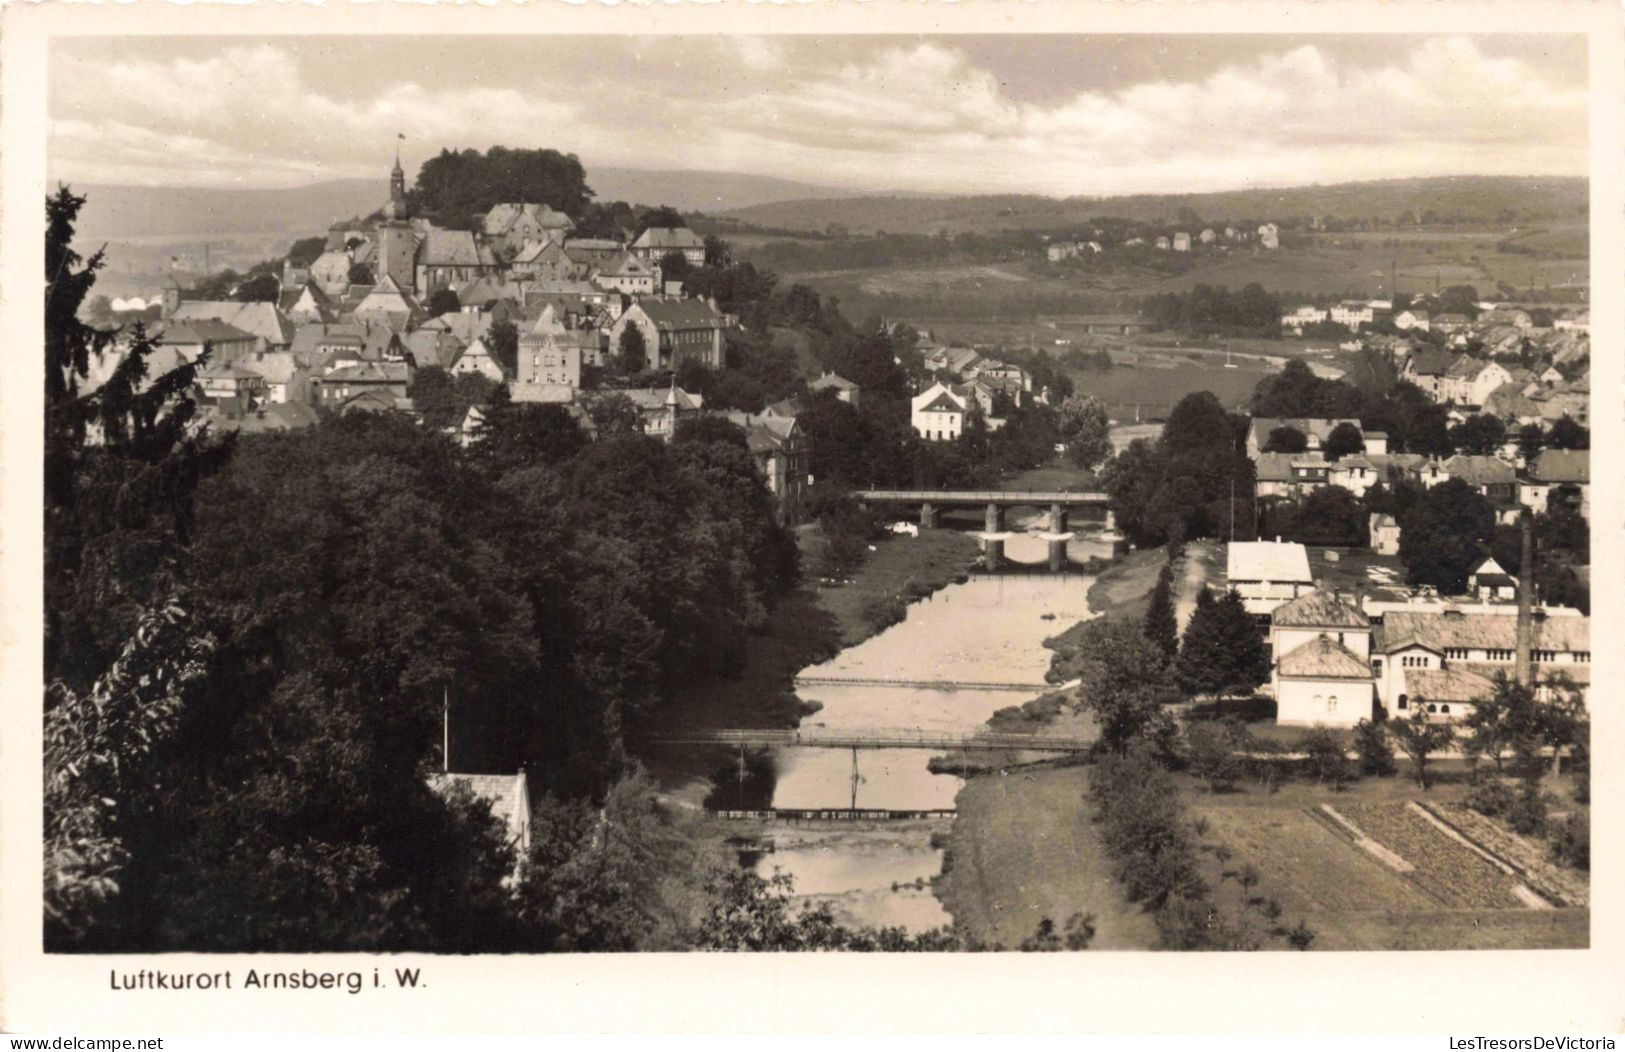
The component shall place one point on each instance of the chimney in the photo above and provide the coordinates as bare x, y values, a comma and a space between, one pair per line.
1526, 594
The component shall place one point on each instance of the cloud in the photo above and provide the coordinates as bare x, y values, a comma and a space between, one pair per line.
922, 115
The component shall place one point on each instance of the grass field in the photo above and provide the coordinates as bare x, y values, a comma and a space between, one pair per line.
1023, 848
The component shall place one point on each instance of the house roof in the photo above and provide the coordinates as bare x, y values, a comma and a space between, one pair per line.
261, 319
1267, 561
673, 315
1447, 684
449, 248
669, 238
277, 367
1432, 362
650, 398
502, 217
1480, 470
1323, 658
1436, 631
624, 264
833, 380
507, 794
1561, 466
370, 373
201, 330
1318, 609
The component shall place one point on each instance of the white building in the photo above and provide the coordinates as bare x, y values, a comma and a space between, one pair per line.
1322, 662
1268, 573
938, 413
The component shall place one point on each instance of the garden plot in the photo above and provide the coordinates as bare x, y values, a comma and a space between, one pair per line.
1308, 865
1451, 872
1529, 857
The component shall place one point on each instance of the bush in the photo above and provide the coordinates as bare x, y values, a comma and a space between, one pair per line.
1211, 748
1490, 796
1328, 760
1376, 752
1572, 844
1527, 815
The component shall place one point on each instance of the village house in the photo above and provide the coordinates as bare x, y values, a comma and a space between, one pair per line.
1182, 242
547, 261
593, 251
1207, 236
451, 257
1491, 583
783, 454
507, 795
510, 226
676, 331
1304, 316
1321, 672
1267, 574
185, 341
1470, 381
1269, 235
1163, 244
844, 389
477, 358
661, 409
1353, 314
231, 388
1384, 534
285, 379
1451, 322
1314, 430
627, 274
1555, 475
1427, 369
657, 242
548, 360
1407, 320
259, 319
385, 380
938, 413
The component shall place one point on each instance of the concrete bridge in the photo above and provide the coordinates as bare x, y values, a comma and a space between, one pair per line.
1061, 505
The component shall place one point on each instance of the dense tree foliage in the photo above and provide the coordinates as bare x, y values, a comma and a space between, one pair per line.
1222, 652
1194, 481
1445, 536
1125, 680
1085, 429
1286, 439
1207, 310
1296, 391
1161, 626
458, 187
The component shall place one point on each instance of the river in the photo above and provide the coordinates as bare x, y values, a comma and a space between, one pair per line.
989, 629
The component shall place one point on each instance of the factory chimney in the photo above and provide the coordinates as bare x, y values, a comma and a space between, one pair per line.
1526, 596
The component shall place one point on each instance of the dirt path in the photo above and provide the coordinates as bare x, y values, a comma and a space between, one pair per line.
1201, 558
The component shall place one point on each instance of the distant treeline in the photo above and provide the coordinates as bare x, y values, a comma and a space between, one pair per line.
1213, 310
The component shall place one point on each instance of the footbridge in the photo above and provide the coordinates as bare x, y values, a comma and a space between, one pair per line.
1062, 504
921, 684
858, 740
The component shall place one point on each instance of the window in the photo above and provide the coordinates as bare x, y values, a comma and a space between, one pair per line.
1376, 666
1582, 655
1331, 703
1404, 702
1498, 655
1457, 653
1445, 709
1433, 708
1545, 656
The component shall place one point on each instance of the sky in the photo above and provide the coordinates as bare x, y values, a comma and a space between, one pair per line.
1068, 115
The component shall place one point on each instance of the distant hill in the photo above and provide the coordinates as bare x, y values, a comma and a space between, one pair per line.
122, 212
1475, 197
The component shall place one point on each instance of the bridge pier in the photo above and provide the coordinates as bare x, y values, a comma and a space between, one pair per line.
995, 517
1057, 518
1057, 556
992, 553
928, 516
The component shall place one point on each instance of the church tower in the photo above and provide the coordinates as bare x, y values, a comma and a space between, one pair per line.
396, 208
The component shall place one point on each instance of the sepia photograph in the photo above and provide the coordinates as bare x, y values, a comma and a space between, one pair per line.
880, 491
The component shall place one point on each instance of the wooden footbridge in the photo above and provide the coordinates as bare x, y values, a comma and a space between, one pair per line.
922, 684
880, 739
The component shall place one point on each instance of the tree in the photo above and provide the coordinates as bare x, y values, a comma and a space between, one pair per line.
1345, 439
521, 434
1376, 754
631, 351
1296, 391
1419, 738
1223, 652
1124, 679
674, 266
1085, 428
1479, 435
1286, 440
614, 414
1446, 536
444, 301
261, 288
1531, 440
1332, 515
359, 274
503, 342
1568, 433
1161, 626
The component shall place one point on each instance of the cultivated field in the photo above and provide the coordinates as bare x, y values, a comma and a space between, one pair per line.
1418, 888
